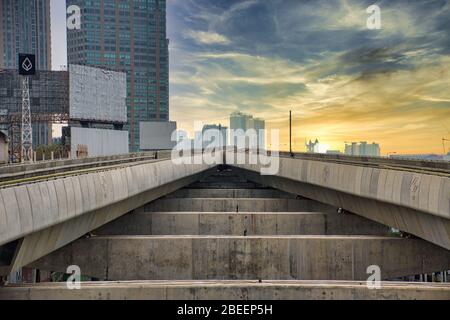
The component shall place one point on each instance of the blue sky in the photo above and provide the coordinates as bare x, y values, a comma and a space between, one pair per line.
316, 57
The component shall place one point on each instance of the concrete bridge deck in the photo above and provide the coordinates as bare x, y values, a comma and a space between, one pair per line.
203, 253
197, 224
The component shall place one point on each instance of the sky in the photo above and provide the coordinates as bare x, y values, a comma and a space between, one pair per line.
342, 81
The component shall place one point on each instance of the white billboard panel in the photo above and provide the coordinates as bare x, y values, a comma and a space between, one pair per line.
98, 142
97, 94
157, 135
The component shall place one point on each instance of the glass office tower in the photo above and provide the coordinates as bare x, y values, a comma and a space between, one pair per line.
25, 28
127, 36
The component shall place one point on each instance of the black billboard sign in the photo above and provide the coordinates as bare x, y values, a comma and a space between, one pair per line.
27, 64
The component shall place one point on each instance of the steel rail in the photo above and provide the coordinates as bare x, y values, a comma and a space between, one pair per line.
380, 163
46, 174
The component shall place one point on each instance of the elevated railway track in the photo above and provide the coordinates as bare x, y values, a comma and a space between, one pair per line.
19, 174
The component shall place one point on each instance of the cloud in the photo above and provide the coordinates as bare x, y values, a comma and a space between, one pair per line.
204, 37
317, 58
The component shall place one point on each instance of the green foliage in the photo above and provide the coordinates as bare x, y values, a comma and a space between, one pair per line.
58, 150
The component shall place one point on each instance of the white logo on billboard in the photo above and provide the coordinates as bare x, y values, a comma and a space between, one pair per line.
27, 65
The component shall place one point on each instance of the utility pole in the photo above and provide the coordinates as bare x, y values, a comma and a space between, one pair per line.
290, 133
443, 145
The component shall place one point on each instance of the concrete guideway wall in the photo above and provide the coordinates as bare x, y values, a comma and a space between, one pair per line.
413, 202
419, 191
35, 207
41, 243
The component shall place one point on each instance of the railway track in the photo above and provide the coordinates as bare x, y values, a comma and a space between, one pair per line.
441, 168
15, 175
64, 168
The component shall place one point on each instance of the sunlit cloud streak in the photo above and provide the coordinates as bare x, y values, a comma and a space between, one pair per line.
317, 58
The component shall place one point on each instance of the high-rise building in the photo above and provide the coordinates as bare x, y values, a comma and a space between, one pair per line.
240, 123
127, 36
25, 28
362, 149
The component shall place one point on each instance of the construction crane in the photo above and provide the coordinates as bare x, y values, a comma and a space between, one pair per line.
443, 144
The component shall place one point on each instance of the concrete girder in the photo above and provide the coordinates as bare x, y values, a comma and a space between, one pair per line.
240, 224
41, 243
231, 205
247, 258
361, 193
37, 206
230, 193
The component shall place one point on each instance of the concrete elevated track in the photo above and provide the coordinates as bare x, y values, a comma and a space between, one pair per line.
200, 231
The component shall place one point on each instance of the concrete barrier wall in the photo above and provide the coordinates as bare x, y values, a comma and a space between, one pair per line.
34, 207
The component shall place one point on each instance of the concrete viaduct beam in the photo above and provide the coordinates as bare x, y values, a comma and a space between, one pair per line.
232, 205
246, 258
231, 193
47, 215
414, 201
240, 224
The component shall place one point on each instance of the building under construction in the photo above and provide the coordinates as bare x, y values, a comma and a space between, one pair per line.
49, 104
25, 27
81, 97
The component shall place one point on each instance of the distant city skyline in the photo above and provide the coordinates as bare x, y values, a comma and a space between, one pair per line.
317, 58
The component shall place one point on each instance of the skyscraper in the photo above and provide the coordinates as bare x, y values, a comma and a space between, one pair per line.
362, 149
128, 36
25, 28
240, 123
